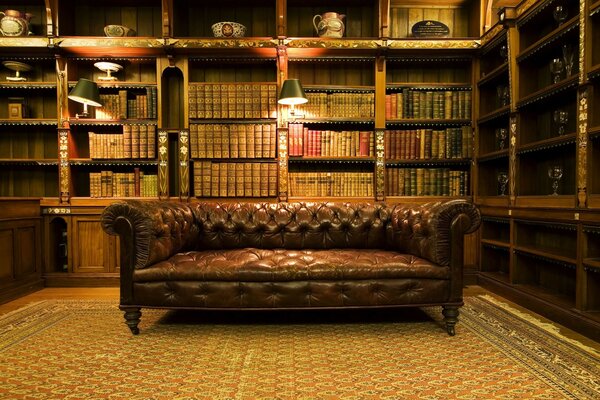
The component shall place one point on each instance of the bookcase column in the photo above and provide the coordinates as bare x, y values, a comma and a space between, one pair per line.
163, 164
282, 127
582, 144
380, 80
64, 173
184, 164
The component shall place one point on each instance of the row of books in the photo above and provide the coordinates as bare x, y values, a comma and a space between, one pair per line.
241, 179
334, 184
419, 104
137, 141
316, 143
233, 100
233, 140
419, 144
123, 184
128, 105
426, 182
338, 105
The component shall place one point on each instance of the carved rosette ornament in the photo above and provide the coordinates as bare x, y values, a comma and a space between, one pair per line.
163, 164
184, 164
283, 160
512, 160
582, 122
64, 173
379, 164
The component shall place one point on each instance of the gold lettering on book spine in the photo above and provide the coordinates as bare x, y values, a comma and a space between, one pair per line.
184, 164
582, 121
379, 164
163, 164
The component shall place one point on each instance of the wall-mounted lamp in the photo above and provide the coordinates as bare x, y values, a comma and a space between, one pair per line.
86, 93
291, 95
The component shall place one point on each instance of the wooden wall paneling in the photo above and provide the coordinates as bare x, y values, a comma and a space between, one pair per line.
91, 246
7, 251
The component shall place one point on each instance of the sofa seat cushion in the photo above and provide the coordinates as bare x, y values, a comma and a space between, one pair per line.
282, 265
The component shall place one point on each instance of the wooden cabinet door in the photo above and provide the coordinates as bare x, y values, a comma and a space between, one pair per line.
93, 250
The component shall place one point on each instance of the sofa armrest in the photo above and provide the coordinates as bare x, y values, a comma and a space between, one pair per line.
151, 231
429, 230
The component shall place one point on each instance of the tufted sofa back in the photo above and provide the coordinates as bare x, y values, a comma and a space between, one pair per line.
304, 225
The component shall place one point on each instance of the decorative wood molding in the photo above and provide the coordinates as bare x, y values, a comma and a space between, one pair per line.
492, 34
380, 164
219, 43
582, 34
184, 164
430, 44
324, 43
282, 134
512, 160
163, 164
582, 140
64, 170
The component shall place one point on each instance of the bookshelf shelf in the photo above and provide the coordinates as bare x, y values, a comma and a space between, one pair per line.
29, 121
547, 144
494, 115
429, 122
113, 162
430, 162
28, 161
569, 27
549, 92
595, 9
111, 122
500, 72
350, 160
493, 156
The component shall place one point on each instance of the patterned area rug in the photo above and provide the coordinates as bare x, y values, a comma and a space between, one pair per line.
82, 350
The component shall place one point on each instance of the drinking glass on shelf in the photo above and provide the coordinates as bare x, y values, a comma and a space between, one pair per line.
556, 67
504, 52
502, 181
560, 14
501, 135
561, 118
568, 54
502, 93
555, 173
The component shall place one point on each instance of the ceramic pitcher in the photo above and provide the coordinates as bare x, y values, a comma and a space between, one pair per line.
14, 23
329, 24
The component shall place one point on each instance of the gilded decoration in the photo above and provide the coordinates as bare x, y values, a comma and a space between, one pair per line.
56, 210
491, 34
222, 43
582, 144
63, 164
184, 163
333, 43
512, 160
24, 41
379, 164
434, 44
163, 161
283, 159
524, 6
582, 19
110, 42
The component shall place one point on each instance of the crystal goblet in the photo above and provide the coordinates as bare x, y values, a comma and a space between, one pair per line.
502, 181
501, 135
555, 173
556, 67
568, 55
560, 14
561, 118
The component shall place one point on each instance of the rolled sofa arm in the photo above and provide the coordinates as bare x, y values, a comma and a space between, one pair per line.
153, 230
429, 230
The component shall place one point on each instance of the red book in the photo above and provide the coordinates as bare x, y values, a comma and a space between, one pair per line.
364, 144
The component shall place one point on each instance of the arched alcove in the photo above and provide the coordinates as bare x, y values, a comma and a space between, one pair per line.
172, 95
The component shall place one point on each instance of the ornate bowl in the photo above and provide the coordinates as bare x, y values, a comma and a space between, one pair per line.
118, 31
228, 29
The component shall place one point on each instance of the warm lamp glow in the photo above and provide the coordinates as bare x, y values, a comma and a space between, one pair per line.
292, 93
85, 92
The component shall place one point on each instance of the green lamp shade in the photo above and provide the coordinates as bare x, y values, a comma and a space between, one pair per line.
292, 93
86, 92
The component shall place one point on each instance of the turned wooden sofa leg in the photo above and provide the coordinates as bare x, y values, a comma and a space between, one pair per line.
450, 318
132, 318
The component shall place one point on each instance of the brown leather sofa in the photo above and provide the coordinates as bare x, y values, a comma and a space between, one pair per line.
290, 255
